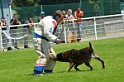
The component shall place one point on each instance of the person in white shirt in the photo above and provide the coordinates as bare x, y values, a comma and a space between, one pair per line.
43, 34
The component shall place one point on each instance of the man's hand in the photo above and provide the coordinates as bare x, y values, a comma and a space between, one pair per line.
30, 24
58, 41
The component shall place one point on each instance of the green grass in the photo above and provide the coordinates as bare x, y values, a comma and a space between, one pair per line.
17, 66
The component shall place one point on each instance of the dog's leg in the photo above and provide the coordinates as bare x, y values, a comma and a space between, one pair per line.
76, 67
70, 66
88, 64
103, 66
94, 55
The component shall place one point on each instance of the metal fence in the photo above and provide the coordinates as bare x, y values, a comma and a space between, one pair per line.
15, 37
95, 28
92, 28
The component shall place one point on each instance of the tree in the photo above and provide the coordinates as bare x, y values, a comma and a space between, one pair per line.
19, 3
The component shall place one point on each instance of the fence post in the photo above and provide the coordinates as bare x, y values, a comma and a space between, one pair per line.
10, 10
80, 4
1, 6
123, 17
1, 43
0, 40
95, 28
65, 33
41, 8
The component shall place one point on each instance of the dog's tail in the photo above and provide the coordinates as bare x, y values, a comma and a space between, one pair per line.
90, 45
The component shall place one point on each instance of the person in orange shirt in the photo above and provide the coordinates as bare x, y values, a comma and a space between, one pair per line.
78, 14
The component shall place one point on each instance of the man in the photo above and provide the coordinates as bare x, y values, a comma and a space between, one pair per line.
26, 30
42, 15
3, 23
78, 15
43, 34
13, 30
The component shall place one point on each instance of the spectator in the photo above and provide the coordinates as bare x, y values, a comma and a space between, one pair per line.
64, 13
78, 15
42, 15
69, 15
13, 30
27, 30
3, 23
70, 22
43, 34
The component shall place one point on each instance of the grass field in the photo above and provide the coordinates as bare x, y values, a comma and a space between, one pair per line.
17, 66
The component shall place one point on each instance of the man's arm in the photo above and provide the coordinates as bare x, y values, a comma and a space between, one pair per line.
12, 21
75, 14
48, 32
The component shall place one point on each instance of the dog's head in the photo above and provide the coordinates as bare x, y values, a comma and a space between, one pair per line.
65, 56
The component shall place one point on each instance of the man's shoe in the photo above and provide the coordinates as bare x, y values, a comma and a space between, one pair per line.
9, 48
78, 40
26, 47
16, 47
48, 72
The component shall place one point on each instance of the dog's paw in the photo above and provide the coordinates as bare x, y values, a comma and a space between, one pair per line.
77, 69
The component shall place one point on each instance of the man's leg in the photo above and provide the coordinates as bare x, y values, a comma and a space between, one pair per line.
79, 31
49, 66
42, 48
26, 31
51, 62
40, 65
16, 41
13, 34
10, 44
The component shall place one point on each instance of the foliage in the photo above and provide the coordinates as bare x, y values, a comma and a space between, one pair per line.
18, 3
17, 66
21, 3
25, 12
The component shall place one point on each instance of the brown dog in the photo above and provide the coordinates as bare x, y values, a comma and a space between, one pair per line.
77, 57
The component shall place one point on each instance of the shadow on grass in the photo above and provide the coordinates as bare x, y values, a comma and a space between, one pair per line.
73, 71
59, 72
